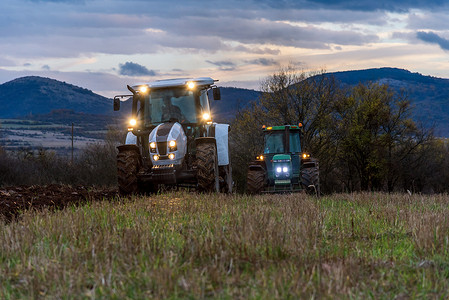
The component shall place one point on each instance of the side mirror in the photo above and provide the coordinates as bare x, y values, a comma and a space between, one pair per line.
116, 104
216, 93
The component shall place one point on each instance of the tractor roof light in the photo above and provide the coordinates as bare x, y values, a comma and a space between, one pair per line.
206, 116
191, 85
305, 155
132, 122
143, 89
269, 128
259, 157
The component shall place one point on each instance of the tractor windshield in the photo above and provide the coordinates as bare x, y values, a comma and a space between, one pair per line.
274, 142
170, 105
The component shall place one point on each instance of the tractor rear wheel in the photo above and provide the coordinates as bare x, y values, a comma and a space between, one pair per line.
255, 181
310, 180
127, 166
207, 168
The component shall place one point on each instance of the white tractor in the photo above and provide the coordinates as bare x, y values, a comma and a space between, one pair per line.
172, 139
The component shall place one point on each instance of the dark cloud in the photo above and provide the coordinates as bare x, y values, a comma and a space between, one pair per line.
429, 21
358, 5
433, 38
266, 32
257, 50
133, 69
223, 63
263, 62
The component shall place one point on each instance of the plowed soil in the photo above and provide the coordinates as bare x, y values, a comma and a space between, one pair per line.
14, 200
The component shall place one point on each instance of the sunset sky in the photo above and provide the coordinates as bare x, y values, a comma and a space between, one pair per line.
103, 45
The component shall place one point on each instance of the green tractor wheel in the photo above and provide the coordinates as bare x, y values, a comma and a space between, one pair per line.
255, 181
127, 167
310, 179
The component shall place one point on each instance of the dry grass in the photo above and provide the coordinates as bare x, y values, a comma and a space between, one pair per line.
182, 245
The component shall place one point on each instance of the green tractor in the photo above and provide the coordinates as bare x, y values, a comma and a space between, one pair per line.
283, 167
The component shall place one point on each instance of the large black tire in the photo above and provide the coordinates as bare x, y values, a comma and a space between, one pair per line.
226, 182
207, 168
127, 167
255, 181
310, 180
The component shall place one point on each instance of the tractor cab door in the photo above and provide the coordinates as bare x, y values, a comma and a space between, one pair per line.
295, 150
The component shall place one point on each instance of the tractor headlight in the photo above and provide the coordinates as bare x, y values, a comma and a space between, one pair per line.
153, 147
172, 145
285, 169
171, 156
156, 157
278, 170
305, 155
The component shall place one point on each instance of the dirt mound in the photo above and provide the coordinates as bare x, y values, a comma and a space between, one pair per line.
14, 200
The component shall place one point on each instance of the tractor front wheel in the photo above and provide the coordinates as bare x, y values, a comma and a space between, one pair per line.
207, 168
310, 179
255, 181
127, 167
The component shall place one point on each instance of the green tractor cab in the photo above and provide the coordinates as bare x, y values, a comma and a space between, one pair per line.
283, 167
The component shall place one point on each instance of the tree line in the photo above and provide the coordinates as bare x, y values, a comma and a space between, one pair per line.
364, 136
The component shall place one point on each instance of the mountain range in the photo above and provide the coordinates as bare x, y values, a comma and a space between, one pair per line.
39, 98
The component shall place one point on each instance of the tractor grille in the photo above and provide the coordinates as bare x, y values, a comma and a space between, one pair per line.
162, 148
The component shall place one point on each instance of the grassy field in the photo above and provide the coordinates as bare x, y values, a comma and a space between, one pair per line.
184, 245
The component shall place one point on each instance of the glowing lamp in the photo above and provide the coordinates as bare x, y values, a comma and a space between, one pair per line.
206, 116
143, 89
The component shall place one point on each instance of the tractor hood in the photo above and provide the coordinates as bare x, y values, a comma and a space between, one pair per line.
168, 144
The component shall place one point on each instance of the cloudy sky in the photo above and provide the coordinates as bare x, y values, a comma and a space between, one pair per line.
105, 44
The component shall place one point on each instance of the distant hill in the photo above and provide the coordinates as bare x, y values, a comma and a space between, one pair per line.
33, 95
43, 98
429, 95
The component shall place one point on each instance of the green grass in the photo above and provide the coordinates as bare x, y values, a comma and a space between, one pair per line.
185, 245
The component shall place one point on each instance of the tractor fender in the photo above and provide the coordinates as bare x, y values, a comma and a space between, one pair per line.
257, 165
131, 139
130, 147
202, 140
222, 140
309, 163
